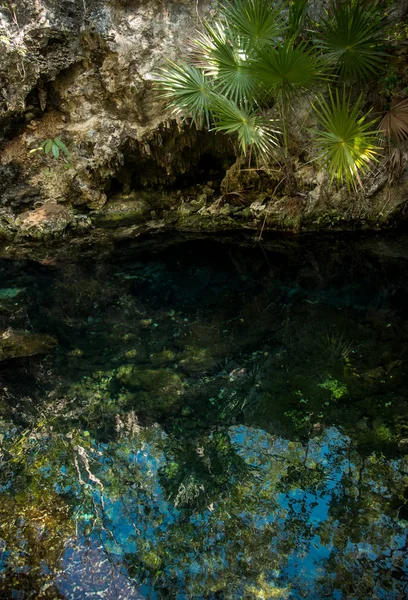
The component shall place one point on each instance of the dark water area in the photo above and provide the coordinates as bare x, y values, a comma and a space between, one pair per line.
208, 419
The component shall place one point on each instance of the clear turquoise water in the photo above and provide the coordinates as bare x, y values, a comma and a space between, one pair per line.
220, 419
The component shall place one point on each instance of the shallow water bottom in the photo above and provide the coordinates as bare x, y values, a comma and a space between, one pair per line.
213, 419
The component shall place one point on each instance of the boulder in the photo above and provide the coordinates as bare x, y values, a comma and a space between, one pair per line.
18, 344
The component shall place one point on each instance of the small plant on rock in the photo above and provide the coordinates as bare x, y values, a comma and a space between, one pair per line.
54, 146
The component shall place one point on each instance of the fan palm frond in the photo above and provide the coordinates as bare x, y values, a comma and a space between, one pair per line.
259, 21
221, 54
352, 39
287, 71
347, 141
252, 129
296, 17
394, 124
188, 89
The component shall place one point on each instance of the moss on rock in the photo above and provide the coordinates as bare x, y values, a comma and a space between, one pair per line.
196, 360
123, 211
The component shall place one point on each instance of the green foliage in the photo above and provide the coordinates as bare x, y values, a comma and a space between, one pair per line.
259, 22
287, 70
55, 146
222, 55
390, 81
251, 56
251, 128
239, 65
347, 140
296, 17
337, 388
188, 90
352, 39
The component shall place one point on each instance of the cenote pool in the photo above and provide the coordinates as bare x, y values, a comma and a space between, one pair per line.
206, 419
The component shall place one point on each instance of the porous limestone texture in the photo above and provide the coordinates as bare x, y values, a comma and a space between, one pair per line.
83, 71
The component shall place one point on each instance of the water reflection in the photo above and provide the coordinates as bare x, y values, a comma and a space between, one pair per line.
209, 427
298, 521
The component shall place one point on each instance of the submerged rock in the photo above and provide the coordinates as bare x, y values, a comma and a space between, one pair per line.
11, 293
197, 360
159, 388
163, 358
17, 344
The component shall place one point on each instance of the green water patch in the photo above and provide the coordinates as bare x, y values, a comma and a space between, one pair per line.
214, 420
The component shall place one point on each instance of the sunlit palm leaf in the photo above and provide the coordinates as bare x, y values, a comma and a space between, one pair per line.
287, 71
346, 142
352, 39
188, 90
251, 128
222, 55
259, 21
394, 124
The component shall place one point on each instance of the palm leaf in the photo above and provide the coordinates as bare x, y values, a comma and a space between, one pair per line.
394, 124
296, 17
251, 128
288, 71
352, 40
346, 142
222, 55
188, 89
260, 22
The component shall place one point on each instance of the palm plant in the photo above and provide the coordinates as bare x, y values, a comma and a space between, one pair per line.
222, 55
287, 71
250, 57
251, 127
347, 140
352, 39
259, 22
239, 65
188, 91
296, 17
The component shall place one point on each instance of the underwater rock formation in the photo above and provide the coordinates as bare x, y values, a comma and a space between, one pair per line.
17, 344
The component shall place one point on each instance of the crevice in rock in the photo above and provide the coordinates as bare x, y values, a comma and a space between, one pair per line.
13, 124
172, 159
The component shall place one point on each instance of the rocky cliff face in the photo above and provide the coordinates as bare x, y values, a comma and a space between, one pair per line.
82, 71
